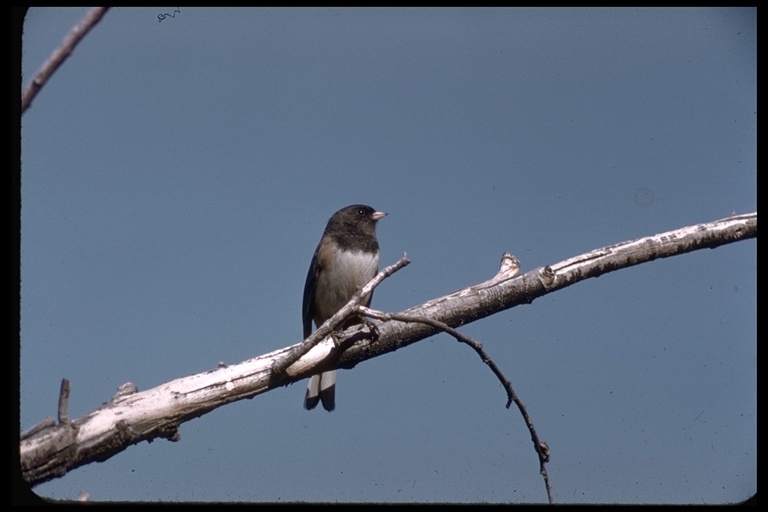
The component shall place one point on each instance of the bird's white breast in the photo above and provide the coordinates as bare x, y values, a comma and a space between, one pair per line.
338, 281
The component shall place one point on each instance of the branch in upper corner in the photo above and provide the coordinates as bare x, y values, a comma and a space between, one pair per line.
61, 53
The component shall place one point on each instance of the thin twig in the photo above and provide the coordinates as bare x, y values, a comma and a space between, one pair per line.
337, 319
43, 425
541, 447
60, 54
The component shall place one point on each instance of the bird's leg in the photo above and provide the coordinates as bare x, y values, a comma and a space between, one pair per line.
372, 328
337, 336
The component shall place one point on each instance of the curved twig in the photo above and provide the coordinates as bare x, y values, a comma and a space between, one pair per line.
541, 447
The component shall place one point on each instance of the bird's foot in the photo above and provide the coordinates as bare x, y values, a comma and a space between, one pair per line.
337, 337
372, 328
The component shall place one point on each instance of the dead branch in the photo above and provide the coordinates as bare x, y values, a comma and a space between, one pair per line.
50, 450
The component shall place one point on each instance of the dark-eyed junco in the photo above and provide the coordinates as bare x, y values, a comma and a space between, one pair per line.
346, 258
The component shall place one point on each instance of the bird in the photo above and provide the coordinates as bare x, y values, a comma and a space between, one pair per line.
346, 258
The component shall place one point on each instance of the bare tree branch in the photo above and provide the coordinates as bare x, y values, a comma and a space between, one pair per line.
131, 416
61, 54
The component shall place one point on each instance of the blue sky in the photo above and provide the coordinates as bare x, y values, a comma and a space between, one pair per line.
177, 175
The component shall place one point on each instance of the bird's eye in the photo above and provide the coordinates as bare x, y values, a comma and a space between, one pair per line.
361, 211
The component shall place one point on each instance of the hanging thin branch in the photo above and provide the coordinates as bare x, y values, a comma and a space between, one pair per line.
541, 447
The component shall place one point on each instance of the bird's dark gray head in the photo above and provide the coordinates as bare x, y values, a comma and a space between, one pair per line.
355, 225
356, 216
